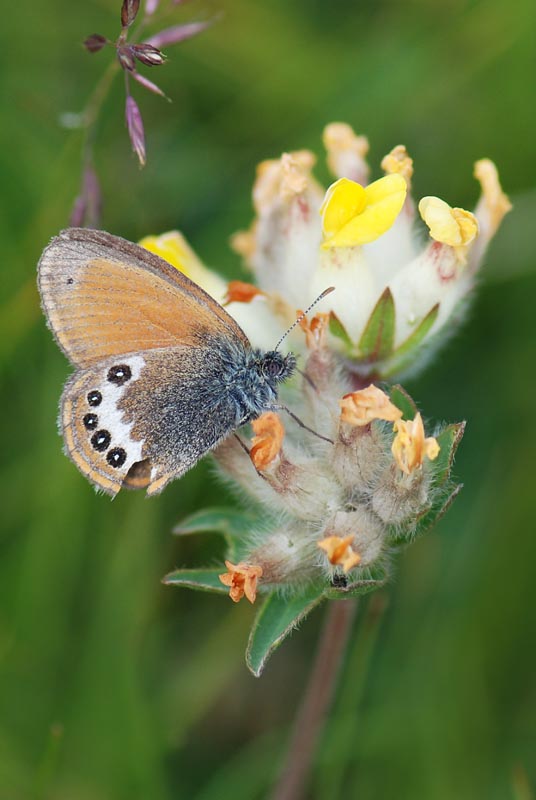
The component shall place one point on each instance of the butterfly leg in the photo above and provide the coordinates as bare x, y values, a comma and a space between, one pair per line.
245, 448
300, 423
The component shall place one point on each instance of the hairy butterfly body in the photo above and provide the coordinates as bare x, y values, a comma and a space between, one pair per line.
163, 373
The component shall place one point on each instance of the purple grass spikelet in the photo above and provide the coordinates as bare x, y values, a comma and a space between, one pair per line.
129, 12
135, 129
178, 33
95, 42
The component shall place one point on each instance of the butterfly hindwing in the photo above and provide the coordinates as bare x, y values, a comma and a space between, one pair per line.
104, 296
143, 419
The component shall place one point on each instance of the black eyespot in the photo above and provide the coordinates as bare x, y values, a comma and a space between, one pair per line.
116, 457
70, 281
100, 440
94, 398
119, 374
91, 421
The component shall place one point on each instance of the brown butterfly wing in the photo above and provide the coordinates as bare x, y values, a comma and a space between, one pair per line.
167, 409
104, 296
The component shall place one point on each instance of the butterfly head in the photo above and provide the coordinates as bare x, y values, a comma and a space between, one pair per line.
276, 367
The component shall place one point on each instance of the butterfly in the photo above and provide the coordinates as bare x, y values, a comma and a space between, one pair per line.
163, 372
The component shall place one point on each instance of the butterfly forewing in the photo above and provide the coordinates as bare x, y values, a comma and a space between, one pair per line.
104, 296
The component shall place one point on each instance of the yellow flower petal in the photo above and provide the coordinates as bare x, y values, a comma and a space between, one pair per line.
453, 226
354, 215
174, 248
344, 200
495, 200
410, 447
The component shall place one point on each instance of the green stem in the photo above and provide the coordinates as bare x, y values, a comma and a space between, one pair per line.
343, 731
316, 702
92, 110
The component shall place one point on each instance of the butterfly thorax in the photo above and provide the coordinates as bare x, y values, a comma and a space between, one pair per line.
251, 379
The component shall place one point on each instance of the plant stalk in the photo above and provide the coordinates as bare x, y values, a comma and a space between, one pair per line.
316, 701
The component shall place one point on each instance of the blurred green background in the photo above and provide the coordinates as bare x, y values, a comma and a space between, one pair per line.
113, 686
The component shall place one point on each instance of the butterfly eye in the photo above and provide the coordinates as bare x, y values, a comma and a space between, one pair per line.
100, 440
94, 398
119, 374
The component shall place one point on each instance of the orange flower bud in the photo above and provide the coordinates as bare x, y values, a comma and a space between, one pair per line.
398, 161
241, 292
242, 580
410, 447
339, 551
315, 330
244, 242
266, 444
360, 408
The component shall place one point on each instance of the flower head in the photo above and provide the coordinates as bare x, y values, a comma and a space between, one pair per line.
352, 476
394, 297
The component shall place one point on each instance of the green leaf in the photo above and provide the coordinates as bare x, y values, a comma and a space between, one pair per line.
401, 399
377, 340
448, 441
438, 509
218, 520
232, 524
405, 352
336, 328
205, 580
277, 617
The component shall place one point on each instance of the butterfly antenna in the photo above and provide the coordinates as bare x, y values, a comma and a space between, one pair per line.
304, 314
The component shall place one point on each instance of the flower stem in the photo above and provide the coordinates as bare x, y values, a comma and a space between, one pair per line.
316, 700
93, 107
